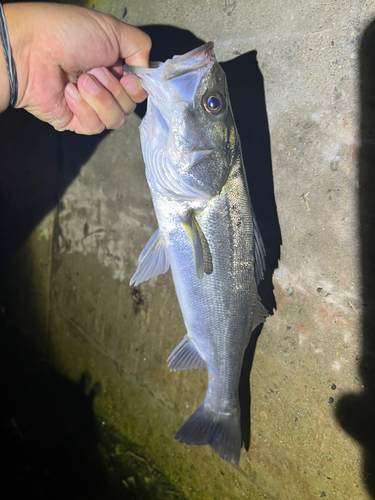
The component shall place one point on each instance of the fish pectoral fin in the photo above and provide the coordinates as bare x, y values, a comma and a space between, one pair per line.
201, 249
152, 260
185, 357
207, 257
260, 315
259, 253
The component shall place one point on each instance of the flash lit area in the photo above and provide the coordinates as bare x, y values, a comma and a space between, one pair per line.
107, 391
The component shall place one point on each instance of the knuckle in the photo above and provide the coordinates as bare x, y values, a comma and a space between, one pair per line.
103, 100
148, 42
116, 123
81, 131
121, 121
118, 91
130, 108
100, 129
92, 129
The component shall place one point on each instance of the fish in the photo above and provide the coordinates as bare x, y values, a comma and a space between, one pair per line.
207, 233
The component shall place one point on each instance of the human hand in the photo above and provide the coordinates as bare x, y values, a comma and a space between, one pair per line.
69, 68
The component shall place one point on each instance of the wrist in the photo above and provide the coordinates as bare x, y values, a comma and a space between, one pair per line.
19, 42
4, 76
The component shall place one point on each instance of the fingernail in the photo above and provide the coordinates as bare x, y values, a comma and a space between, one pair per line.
72, 91
132, 86
90, 85
100, 74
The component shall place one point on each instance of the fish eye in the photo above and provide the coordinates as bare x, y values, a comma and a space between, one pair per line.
214, 103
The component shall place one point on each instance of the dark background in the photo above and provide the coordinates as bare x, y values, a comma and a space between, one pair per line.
356, 412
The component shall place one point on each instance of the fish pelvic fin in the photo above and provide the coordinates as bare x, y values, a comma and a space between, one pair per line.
201, 249
153, 260
222, 431
185, 357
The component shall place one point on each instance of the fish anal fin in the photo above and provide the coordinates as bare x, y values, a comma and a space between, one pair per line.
260, 315
153, 260
185, 357
259, 253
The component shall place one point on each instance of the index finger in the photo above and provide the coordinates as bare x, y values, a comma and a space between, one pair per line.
135, 45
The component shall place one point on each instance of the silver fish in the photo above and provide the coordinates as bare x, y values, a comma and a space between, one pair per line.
207, 233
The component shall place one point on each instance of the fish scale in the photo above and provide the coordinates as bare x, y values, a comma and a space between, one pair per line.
206, 234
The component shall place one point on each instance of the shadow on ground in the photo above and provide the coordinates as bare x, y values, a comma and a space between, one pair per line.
356, 412
246, 89
37, 166
51, 444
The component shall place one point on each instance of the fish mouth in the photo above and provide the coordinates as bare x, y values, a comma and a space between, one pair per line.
191, 61
165, 89
179, 65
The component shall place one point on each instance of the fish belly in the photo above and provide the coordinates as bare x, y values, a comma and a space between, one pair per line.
218, 309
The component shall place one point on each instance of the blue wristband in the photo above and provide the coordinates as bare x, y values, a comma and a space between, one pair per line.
8, 58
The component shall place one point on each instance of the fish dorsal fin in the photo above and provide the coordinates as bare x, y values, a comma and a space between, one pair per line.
199, 243
185, 356
152, 260
259, 253
260, 314
160, 172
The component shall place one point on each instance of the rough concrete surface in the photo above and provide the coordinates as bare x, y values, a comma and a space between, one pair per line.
311, 377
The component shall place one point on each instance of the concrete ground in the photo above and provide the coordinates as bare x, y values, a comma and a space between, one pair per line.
77, 212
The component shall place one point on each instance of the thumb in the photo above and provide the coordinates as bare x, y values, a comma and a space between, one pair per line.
135, 45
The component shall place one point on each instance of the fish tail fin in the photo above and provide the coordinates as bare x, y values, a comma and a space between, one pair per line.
222, 431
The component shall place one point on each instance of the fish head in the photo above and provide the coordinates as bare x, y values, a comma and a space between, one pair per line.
191, 116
